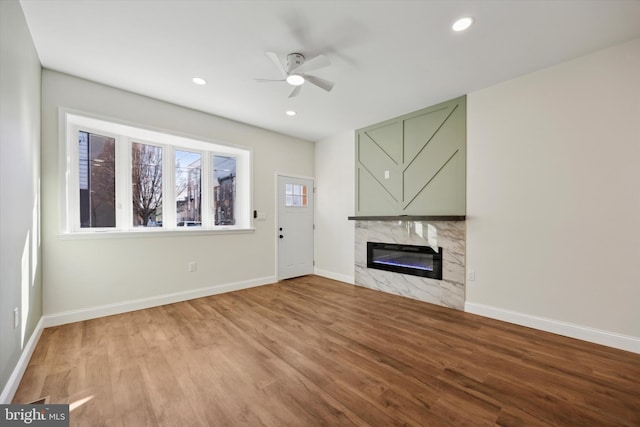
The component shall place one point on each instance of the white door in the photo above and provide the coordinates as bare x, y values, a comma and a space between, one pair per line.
295, 227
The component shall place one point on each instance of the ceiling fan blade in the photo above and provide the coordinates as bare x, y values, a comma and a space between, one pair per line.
295, 91
315, 63
274, 58
321, 83
269, 80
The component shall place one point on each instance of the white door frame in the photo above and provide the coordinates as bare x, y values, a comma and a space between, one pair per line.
277, 213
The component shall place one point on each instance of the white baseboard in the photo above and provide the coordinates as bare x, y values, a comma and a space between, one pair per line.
585, 333
335, 276
70, 316
11, 387
107, 310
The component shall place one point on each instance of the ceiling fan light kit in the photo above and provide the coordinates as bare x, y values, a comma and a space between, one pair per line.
462, 24
295, 79
293, 72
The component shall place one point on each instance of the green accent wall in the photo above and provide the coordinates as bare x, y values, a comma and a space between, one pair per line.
414, 164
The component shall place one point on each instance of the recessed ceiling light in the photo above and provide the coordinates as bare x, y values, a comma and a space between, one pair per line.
199, 81
291, 113
295, 79
462, 23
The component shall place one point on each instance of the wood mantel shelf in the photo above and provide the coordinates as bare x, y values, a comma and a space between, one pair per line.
409, 218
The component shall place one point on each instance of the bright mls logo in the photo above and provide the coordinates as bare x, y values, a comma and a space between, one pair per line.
34, 415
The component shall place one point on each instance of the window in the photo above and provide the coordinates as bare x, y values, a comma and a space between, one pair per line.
224, 189
146, 184
295, 195
188, 188
97, 180
123, 178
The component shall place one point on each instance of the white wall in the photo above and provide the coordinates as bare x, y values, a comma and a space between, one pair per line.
89, 273
553, 195
20, 269
335, 195
553, 206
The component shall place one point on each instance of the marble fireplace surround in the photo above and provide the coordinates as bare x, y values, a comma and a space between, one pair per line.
448, 234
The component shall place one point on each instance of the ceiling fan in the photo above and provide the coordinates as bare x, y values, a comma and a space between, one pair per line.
294, 71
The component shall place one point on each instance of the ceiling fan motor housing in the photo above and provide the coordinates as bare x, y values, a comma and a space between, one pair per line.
294, 60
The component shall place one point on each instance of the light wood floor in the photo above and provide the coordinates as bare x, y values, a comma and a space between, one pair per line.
312, 351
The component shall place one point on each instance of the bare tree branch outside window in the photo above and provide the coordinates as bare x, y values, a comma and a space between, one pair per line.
146, 175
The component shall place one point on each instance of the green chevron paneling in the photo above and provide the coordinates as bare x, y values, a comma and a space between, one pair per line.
420, 129
389, 139
376, 160
437, 195
372, 197
414, 164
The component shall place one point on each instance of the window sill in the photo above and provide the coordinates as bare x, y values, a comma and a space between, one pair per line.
134, 234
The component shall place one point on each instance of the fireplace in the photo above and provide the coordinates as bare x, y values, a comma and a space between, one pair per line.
447, 237
420, 261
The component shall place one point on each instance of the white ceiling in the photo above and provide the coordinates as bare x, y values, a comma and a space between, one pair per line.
388, 57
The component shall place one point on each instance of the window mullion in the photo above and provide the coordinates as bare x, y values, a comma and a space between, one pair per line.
206, 188
169, 188
124, 219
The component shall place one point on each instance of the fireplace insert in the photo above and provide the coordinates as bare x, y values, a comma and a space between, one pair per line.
407, 259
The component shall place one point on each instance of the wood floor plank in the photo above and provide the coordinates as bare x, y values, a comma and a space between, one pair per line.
312, 351
343, 351
335, 379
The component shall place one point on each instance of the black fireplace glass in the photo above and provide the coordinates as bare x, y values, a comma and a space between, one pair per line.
420, 261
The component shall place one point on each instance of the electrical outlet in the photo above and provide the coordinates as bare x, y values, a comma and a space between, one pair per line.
386, 174
193, 266
472, 276
16, 317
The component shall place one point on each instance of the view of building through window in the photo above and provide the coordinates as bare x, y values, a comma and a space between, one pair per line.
224, 189
97, 179
188, 189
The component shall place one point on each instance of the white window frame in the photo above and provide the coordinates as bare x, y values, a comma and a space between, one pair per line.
72, 122
128, 184
74, 170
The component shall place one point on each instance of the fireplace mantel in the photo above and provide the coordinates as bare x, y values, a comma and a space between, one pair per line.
409, 218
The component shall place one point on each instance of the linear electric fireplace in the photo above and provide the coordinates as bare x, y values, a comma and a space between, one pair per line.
408, 259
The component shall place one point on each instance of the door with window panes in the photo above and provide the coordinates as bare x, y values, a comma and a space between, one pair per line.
295, 227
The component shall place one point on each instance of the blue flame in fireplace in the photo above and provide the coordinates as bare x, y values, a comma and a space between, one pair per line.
398, 263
